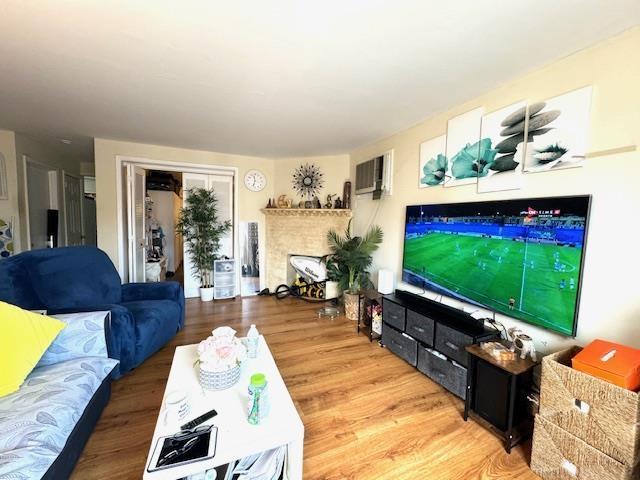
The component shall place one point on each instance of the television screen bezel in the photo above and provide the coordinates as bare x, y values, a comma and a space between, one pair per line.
589, 198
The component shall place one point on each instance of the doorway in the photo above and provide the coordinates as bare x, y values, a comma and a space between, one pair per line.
249, 258
146, 226
41, 198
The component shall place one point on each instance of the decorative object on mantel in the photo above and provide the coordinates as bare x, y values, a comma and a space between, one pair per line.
316, 203
346, 195
307, 181
284, 202
307, 212
202, 231
329, 203
220, 357
337, 204
348, 265
269, 205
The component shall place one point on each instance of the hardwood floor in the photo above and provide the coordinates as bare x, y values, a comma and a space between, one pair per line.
367, 414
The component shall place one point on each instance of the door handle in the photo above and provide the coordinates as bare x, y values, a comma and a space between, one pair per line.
452, 346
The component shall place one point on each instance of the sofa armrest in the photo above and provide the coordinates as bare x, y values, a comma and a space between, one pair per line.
85, 335
133, 292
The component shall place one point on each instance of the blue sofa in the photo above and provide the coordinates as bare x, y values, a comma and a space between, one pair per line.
144, 316
45, 425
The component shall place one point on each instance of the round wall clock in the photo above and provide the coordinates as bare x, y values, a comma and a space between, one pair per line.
255, 180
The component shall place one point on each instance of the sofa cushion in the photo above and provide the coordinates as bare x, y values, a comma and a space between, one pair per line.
72, 277
37, 419
156, 322
24, 337
83, 336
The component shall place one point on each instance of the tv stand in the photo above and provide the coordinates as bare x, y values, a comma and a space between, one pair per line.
432, 337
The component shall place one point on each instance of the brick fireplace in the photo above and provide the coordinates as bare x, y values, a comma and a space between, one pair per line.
297, 231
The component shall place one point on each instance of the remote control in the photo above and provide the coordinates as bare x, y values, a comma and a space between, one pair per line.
197, 421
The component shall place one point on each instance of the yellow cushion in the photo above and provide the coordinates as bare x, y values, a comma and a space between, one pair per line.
24, 337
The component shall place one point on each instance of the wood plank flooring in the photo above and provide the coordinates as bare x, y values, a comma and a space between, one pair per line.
367, 414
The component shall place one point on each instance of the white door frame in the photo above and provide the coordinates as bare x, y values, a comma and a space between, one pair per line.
64, 206
53, 195
151, 164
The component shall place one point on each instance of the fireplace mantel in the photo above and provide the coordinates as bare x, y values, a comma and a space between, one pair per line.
298, 231
308, 212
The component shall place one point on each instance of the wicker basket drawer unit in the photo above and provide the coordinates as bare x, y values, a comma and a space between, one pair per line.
558, 455
604, 416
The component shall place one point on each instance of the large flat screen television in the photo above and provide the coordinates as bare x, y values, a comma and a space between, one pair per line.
522, 258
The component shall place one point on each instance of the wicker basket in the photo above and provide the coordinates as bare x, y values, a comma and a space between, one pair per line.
605, 416
558, 455
219, 380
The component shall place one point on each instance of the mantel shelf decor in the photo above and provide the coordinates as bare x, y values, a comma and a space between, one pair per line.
307, 212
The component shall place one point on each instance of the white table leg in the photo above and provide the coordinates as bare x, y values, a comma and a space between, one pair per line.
294, 456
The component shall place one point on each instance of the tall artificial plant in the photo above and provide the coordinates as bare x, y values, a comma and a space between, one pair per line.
202, 230
350, 258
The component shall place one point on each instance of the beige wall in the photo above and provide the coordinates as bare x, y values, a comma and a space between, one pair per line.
106, 151
335, 169
610, 304
9, 208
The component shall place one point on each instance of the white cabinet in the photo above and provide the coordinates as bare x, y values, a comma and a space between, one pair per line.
224, 279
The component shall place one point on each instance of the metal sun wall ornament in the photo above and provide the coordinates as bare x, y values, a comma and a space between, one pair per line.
307, 180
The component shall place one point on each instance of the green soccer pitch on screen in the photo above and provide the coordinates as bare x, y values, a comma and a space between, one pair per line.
522, 258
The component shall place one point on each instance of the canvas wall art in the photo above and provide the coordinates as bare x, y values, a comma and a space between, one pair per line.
433, 162
6, 239
463, 149
557, 131
501, 154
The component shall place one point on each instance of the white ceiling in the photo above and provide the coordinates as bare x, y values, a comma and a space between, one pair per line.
273, 77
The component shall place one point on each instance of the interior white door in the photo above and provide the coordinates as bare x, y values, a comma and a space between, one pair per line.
223, 188
72, 191
38, 202
189, 182
136, 178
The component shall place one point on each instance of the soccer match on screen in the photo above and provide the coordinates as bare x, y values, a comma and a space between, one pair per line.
522, 258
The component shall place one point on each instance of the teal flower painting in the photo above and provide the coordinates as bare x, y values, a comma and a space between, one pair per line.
434, 171
433, 162
474, 160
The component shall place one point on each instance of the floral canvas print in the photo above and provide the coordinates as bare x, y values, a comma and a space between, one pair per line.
464, 148
504, 153
433, 162
557, 132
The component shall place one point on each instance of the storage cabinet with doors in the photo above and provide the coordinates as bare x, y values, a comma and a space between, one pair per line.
432, 337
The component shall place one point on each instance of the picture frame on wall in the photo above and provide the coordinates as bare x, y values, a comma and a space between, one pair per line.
558, 132
463, 148
4, 191
503, 151
432, 162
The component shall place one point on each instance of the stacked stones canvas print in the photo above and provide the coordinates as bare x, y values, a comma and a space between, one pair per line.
504, 152
433, 162
557, 132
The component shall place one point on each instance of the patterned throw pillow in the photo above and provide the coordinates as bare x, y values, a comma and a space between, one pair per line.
24, 337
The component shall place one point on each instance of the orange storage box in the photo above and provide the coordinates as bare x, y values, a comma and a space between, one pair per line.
611, 362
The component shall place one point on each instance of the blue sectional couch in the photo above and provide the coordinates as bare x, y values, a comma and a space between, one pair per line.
46, 423
144, 316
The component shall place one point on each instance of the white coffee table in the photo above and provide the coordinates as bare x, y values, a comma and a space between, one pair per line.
236, 437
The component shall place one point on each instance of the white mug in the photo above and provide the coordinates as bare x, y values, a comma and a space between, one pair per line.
176, 407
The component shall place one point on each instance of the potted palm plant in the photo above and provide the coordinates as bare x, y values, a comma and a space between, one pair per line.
349, 262
202, 230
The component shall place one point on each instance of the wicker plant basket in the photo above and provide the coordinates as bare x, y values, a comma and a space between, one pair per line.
218, 380
558, 455
603, 415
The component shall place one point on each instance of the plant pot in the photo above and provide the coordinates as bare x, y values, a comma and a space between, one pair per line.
351, 306
206, 294
213, 380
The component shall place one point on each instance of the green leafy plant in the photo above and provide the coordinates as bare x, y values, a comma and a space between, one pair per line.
350, 258
202, 230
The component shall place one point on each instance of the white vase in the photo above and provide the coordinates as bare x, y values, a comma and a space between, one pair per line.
206, 294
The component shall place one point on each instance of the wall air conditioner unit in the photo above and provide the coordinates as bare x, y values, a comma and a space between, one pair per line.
375, 176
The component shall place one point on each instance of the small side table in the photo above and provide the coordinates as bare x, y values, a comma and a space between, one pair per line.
365, 323
497, 392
